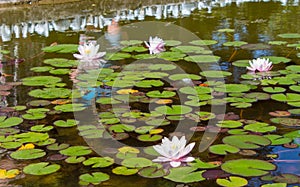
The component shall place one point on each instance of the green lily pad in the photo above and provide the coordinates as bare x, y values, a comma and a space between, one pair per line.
232, 88
248, 167
118, 128
61, 48
162, 67
277, 42
137, 162
187, 49
197, 163
295, 88
241, 63
241, 105
203, 42
10, 145
149, 83
143, 129
40, 80
8, 131
74, 159
57, 147
258, 95
256, 46
121, 170
225, 30
27, 154
202, 58
40, 69
223, 149
260, 127
234, 43
76, 151
67, 123
176, 77
143, 56
155, 75
31, 137
5, 52
107, 101
70, 107
41, 168
61, 62
172, 42
286, 121
173, 110
158, 94
275, 185
9, 121
149, 137
288, 97
99, 162
59, 71
289, 35
274, 89
50, 93
171, 55
215, 74
246, 141
294, 68
277, 139
41, 128
229, 124
277, 59
117, 56
185, 175
152, 172
134, 48
232, 181
93, 178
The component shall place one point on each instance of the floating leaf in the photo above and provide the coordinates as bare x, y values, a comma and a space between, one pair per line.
229, 124
134, 48
248, 167
61, 48
203, 42
117, 56
172, 42
31, 137
149, 137
246, 141
70, 107
75, 159
131, 42
99, 162
258, 95
8, 174
232, 88
67, 123
202, 58
26, 154
241, 63
158, 94
9, 121
215, 74
137, 162
61, 62
234, 43
173, 109
93, 178
274, 89
277, 59
288, 97
185, 175
177, 77
76, 151
260, 127
277, 139
275, 185
59, 71
42, 68
289, 35
187, 49
223, 149
232, 182
40, 80
287, 121
57, 147
42, 168
50, 93
121, 170
257, 46
149, 83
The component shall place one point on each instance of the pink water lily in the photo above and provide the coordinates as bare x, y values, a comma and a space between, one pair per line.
89, 52
155, 45
260, 64
175, 152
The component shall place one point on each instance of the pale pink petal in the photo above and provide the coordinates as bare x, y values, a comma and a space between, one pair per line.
161, 150
78, 56
175, 164
161, 159
187, 149
187, 159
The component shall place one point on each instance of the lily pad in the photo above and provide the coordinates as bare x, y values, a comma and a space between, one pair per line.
229, 124
27, 154
9, 121
288, 97
99, 162
234, 43
172, 42
61, 62
289, 35
149, 137
57, 147
42, 168
70, 107
241, 63
117, 56
74, 159
121, 170
260, 127
223, 149
177, 77
292, 122
137, 162
61, 48
131, 42
275, 185
149, 83
215, 74
173, 110
248, 167
203, 42
67, 123
158, 94
50, 93
232, 181
246, 141
277, 59
257, 46
40, 69
41, 128
185, 175
171, 55
277, 139
163, 67
40, 80
59, 71
93, 178
152, 172
134, 48
274, 89
76, 151
232, 88
187, 49
202, 58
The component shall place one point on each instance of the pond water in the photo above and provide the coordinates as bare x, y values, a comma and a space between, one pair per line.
96, 125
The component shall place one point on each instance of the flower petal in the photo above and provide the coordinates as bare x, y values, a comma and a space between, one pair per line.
175, 164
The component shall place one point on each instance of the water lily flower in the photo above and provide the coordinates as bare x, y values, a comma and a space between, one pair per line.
155, 45
89, 52
174, 151
260, 64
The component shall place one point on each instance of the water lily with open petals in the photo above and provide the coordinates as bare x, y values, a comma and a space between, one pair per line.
174, 151
260, 64
89, 52
155, 45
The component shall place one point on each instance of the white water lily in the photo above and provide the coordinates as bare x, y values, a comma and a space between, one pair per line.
155, 45
174, 151
260, 64
89, 52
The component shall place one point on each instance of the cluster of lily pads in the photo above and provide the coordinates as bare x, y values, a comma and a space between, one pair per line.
121, 96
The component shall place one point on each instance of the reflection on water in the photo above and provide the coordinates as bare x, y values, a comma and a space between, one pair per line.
79, 22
